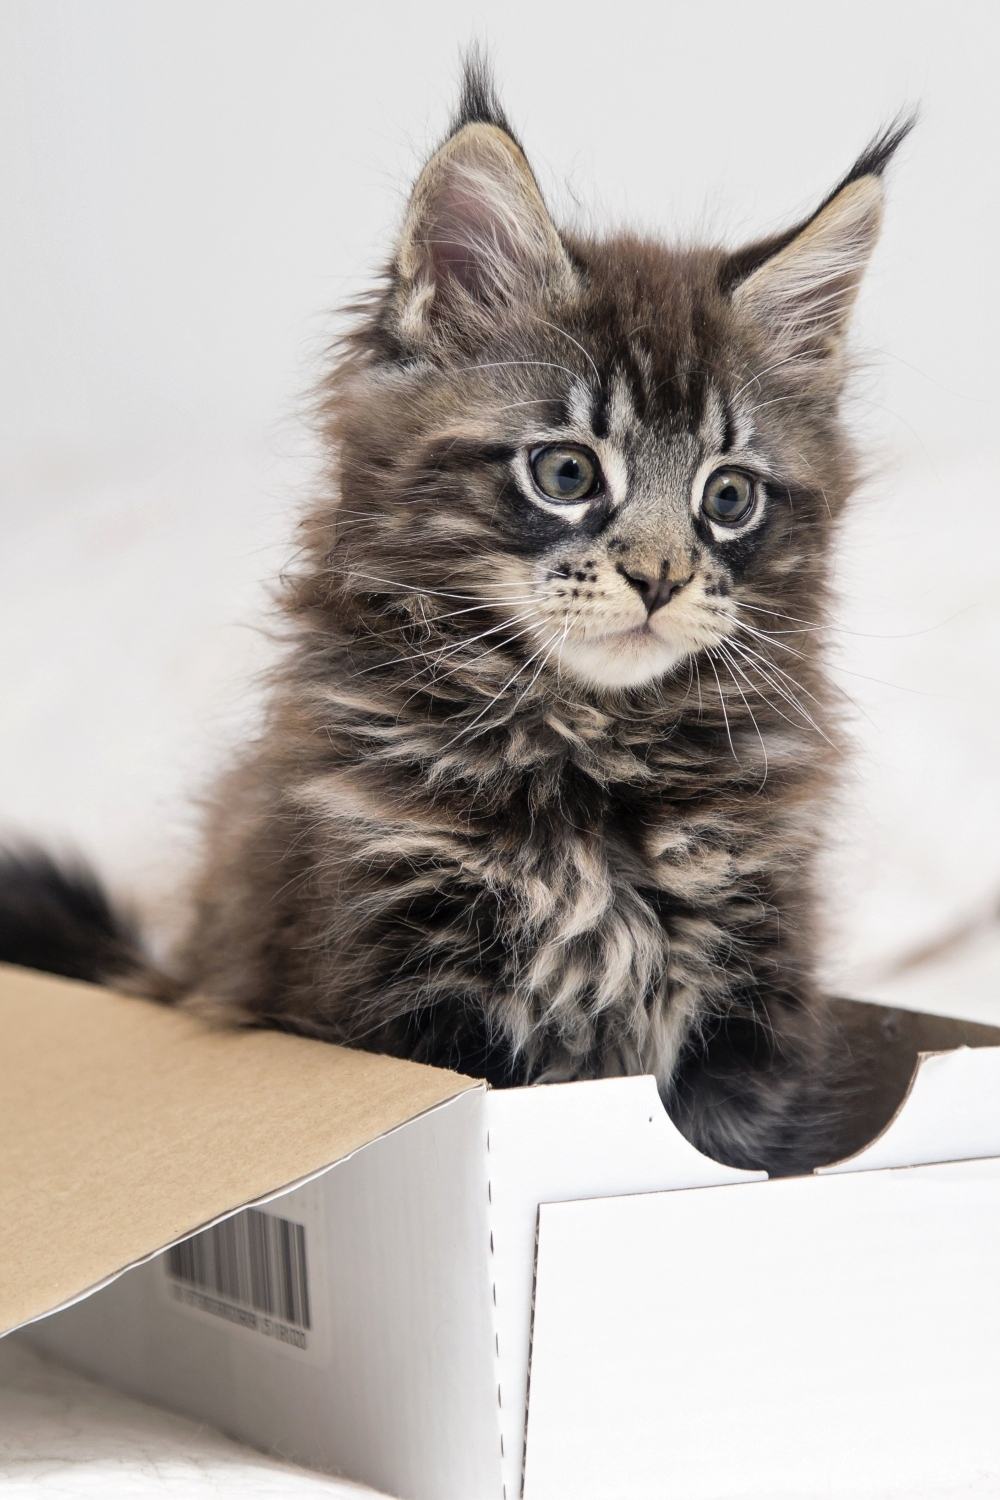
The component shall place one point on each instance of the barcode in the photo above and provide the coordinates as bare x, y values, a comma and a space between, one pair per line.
256, 1260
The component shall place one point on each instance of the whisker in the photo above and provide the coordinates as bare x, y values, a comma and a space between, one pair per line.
534, 678
505, 364
534, 401
448, 649
759, 376
783, 692
722, 701
758, 609
774, 401
864, 635
453, 614
496, 697
413, 588
899, 687
575, 342
761, 635
562, 647
480, 656
729, 668
774, 667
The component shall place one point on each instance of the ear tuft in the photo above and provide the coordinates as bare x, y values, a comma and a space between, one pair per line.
879, 152
479, 102
800, 286
477, 235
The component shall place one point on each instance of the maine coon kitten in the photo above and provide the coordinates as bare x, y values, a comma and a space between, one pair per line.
542, 780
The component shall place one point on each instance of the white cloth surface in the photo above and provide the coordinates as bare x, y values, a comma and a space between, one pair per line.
66, 1438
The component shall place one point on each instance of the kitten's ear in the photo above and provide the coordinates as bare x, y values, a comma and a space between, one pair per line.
800, 287
477, 234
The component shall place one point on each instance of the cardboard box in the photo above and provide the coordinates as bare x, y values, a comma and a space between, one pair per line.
451, 1293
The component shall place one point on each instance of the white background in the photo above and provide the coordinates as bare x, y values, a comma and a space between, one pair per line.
190, 190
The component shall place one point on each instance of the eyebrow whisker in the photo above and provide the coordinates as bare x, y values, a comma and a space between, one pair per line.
575, 342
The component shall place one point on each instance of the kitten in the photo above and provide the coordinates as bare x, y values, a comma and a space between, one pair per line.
542, 781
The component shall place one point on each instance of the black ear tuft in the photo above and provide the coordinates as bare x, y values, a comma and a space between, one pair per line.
871, 163
477, 237
479, 103
877, 154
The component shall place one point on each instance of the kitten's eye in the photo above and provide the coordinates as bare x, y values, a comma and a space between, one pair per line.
566, 472
729, 497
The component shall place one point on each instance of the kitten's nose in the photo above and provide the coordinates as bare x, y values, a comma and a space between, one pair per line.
655, 591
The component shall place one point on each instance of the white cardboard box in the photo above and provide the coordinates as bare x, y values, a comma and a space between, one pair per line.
543, 1291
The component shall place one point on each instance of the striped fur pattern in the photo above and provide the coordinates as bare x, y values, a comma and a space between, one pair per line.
501, 815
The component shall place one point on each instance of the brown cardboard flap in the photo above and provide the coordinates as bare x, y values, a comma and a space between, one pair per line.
127, 1125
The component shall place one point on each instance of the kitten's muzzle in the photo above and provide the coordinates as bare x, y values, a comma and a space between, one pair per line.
655, 590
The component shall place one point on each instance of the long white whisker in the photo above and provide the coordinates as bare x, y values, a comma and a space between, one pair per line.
790, 359
412, 588
774, 667
863, 635
506, 364
833, 667
428, 621
777, 687
758, 609
774, 401
562, 647
784, 693
792, 723
496, 697
533, 401
448, 649
763, 636
480, 656
722, 701
575, 342
534, 678
729, 664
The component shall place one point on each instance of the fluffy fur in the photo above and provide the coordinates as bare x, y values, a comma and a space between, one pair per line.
505, 814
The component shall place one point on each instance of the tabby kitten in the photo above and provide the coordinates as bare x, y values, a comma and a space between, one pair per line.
542, 781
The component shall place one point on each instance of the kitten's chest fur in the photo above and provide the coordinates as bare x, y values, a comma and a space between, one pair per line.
611, 908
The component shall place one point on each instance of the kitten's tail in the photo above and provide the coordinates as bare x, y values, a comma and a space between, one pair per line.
57, 917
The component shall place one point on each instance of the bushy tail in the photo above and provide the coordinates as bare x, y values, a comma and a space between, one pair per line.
58, 917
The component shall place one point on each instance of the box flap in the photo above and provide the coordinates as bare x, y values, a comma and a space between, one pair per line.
128, 1125
561, 1141
950, 1113
834, 1336
899, 1112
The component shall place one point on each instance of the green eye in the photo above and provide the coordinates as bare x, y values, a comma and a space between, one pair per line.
729, 497
566, 472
